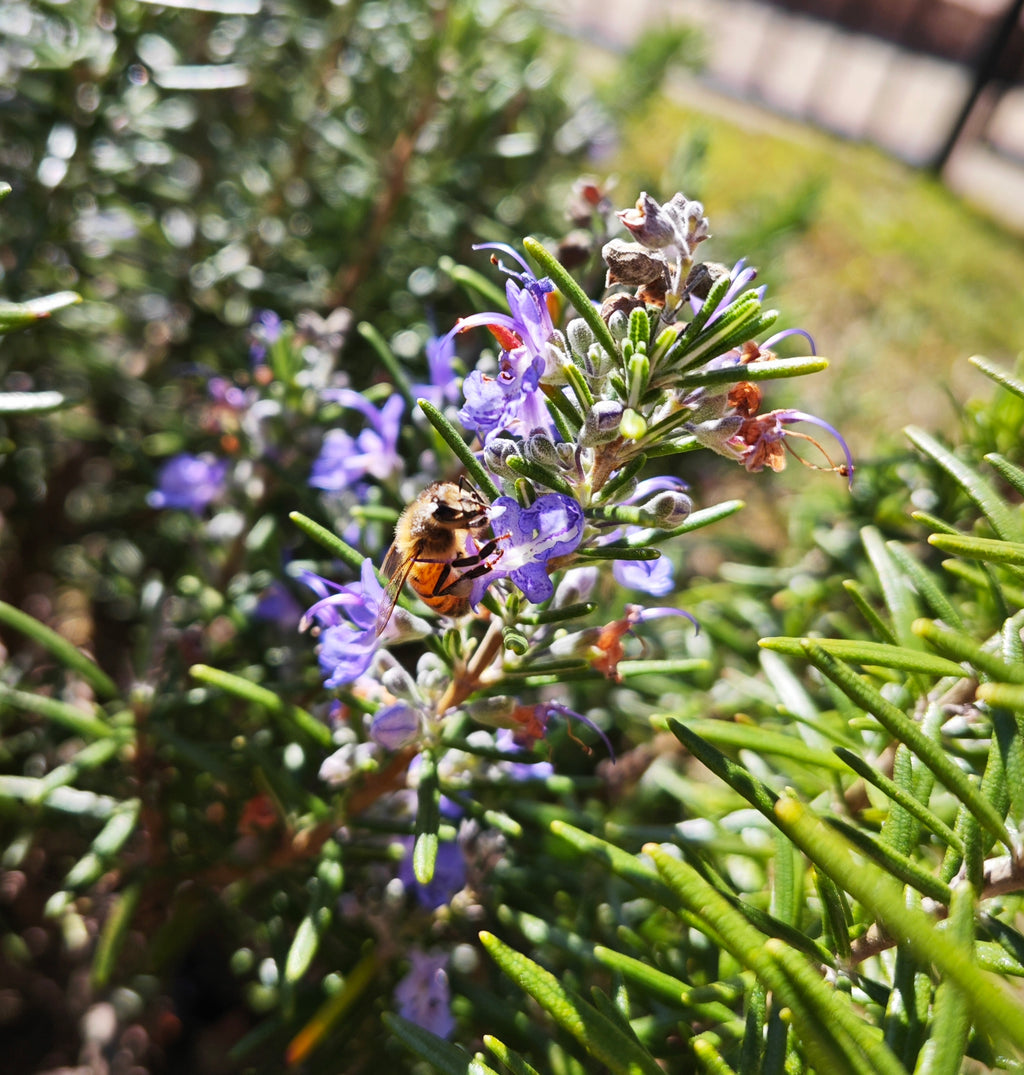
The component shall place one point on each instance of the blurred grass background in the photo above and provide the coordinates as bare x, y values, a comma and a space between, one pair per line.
180, 213
895, 276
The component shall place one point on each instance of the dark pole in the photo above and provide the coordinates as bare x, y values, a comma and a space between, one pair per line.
984, 71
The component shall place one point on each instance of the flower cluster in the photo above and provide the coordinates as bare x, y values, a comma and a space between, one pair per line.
567, 420
516, 563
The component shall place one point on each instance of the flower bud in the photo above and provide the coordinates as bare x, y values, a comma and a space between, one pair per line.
666, 509
577, 585
602, 423
395, 726
580, 336
496, 451
397, 681
432, 674
618, 319
540, 448
347, 760
566, 454
493, 712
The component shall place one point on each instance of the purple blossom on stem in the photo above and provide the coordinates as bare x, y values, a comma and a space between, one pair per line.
344, 461
423, 996
189, 482
395, 726
347, 616
528, 538
511, 400
655, 577
442, 385
345, 653
264, 332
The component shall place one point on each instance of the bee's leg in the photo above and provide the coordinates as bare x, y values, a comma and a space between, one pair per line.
441, 583
480, 557
471, 567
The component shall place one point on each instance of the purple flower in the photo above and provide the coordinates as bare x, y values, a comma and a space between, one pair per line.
649, 576
276, 605
449, 874
264, 333
347, 616
395, 726
442, 385
528, 538
230, 395
189, 482
345, 653
423, 996
520, 770
511, 400
345, 460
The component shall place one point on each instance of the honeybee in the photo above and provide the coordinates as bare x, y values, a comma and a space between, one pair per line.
431, 551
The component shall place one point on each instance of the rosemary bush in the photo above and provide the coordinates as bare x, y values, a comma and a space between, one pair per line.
274, 796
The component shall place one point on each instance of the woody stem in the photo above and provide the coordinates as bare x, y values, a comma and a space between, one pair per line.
468, 678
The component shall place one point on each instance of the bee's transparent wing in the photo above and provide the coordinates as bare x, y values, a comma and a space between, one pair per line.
396, 571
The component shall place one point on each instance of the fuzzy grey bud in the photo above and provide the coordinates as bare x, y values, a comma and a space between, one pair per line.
566, 454
618, 321
580, 335
602, 422
496, 452
667, 509
540, 448
398, 682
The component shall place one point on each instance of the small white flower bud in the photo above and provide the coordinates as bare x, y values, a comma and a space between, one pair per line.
618, 324
397, 681
494, 712
566, 454
667, 509
580, 336
602, 422
496, 451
